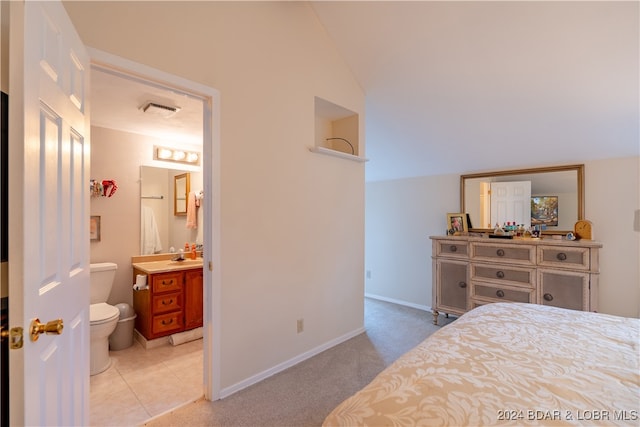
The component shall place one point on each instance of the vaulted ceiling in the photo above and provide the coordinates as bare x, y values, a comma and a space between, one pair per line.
465, 86
455, 87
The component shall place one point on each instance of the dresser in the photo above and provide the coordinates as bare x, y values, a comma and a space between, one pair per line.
471, 271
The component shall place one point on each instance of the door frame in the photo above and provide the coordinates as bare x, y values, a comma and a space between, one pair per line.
211, 202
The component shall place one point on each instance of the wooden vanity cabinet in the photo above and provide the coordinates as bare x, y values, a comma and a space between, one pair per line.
172, 303
193, 313
471, 271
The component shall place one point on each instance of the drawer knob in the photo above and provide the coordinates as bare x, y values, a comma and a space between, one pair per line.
164, 302
500, 252
548, 297
164, 322
462, 285
453, 248
561, 256
500, 274
500, 293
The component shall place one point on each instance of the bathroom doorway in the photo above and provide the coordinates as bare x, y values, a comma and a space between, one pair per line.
112, 125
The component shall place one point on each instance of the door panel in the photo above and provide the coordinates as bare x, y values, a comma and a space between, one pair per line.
511, 201
49, 275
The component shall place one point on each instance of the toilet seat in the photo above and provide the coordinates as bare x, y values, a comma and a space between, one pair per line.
102, 313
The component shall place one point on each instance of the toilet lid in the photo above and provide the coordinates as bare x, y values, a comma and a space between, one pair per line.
102, 311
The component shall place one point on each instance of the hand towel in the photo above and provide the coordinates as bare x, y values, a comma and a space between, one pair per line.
192, 222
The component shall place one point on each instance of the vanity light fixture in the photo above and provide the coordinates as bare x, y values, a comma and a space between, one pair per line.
176, 155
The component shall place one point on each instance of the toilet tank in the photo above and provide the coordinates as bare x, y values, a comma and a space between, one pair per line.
101, 280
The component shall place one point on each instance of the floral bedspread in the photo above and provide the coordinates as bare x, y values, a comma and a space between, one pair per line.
511, 364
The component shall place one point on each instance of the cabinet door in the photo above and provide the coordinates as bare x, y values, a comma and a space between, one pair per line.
193, 299
452, 286
567, 289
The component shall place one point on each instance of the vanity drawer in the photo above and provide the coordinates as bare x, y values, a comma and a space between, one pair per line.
503, 293
504, 253
164, 323
166, 282
451, 248
166, 302
564, 257
496, 273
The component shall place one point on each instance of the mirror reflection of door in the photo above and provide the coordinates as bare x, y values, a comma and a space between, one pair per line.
511, 201
181, 191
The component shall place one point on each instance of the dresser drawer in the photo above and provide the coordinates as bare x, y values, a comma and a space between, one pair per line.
163, 303
451, 248
503, 293
564, 257
504, 253
167, 282
496, 273
165, 323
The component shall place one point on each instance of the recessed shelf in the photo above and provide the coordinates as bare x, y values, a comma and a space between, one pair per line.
336, 128
340, 154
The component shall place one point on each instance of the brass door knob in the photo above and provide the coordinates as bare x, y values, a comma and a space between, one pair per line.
53, 327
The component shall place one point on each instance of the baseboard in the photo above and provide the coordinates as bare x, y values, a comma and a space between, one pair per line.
399, 302
228, 391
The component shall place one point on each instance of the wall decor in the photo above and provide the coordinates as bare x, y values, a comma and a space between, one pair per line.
94, 228
544, 210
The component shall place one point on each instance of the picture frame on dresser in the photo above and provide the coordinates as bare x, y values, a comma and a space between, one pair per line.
457, 222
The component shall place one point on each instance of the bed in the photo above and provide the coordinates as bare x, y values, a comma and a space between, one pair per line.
509, 363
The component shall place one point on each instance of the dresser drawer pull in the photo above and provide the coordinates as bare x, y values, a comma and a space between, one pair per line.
462, 285
164, 302
548, 297
165, 323
500, 252
500, 293
453, 248
167, 282
500, 274
561, 256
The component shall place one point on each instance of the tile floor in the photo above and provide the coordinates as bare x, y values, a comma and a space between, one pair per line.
143, 383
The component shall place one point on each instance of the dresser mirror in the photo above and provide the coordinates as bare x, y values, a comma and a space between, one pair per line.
562, 184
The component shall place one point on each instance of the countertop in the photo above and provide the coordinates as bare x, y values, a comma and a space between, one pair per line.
164, 266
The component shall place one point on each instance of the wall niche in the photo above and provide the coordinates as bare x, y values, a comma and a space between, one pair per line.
336, 130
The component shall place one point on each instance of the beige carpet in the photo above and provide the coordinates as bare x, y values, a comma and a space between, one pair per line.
303, 395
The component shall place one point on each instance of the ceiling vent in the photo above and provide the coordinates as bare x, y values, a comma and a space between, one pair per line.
159, 110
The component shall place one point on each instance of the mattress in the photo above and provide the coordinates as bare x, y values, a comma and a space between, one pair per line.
512, 364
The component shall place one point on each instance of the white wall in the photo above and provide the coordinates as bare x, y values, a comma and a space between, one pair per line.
292, 221
402, 214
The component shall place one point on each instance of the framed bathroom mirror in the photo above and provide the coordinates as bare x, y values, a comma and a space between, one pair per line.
160, 229
563, 184
181, 191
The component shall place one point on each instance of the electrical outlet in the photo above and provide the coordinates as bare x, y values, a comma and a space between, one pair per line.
300, 325
368, 274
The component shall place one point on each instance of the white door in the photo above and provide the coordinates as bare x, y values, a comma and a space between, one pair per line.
48, 215
511, 201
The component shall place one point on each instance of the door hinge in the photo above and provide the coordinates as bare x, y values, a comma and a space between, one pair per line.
210, 266
15, 337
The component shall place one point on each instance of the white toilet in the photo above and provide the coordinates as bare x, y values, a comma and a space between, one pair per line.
103, 317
